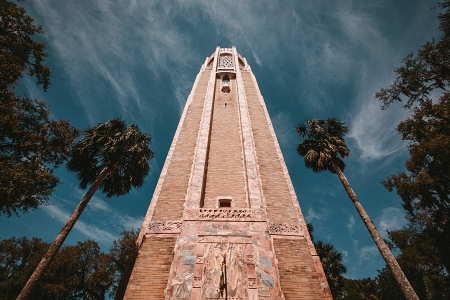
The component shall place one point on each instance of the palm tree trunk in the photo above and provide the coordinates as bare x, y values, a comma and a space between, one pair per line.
26, 292
391, 262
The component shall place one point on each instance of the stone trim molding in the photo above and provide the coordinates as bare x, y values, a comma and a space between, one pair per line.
239, 214
164, 227
253, 180
225, 239
200, 161
285, 229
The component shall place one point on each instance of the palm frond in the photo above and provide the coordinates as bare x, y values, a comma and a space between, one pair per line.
122, 147
323, 143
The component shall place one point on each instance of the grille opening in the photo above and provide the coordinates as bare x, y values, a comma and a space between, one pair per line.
224, 203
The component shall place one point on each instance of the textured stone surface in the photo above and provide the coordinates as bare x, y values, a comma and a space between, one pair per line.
225, 172
151, 270
276, 192
173, 192
299, 279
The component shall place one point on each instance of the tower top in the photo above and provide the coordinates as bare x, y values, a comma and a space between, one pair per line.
229, 59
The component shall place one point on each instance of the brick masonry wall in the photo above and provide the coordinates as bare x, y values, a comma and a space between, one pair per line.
298, 275
173, 192
275, 189
151, 270
225, 170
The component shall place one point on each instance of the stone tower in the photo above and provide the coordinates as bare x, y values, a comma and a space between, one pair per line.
225, 191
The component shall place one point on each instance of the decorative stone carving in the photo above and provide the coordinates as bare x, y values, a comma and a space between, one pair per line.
225, 84
225, 214
165, 227
226, 61
259, 214
250, 260
236, 270
197, 282
199, 260
191, 213
228, 298
216, 213
252, 283
285, 228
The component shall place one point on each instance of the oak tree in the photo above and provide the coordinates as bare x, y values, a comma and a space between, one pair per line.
32, 144
423, 82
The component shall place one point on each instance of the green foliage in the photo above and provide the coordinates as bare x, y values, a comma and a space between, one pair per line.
19, 51
31, 144
31, 147
323, 142
425, 188
122, 148
424, 73
80, 271
421, 258
363, 289
332, 264
123, 253
19, 257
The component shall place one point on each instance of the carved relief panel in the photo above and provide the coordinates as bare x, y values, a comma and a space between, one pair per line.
236, 270
240, 268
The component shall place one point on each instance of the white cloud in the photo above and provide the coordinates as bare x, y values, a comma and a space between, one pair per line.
374, 131
283, 128
313, 216
367, 253
351, 223
391, 218
344, 253
88, 230
110, 214
99, 53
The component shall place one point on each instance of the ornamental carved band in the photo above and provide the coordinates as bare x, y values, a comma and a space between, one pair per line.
241, 214
164, 227
285, 229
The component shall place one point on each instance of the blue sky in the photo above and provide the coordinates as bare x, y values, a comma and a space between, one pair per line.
138, 60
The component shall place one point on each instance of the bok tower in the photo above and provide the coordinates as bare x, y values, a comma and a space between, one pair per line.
224, 218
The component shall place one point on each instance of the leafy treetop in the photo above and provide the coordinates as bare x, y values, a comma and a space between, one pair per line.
422, 74
323, 144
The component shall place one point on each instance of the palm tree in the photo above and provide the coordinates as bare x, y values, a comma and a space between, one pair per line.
332, 265
323, 142
113, 157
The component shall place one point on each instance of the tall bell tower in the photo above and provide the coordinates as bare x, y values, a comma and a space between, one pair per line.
224, 221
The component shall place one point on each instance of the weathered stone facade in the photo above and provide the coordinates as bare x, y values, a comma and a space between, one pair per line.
225, 190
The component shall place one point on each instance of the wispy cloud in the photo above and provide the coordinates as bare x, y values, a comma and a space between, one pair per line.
312, 215
373, 131
367, 253
391, 218
99, 53
91, 231
284, 128
106, 212
101, 221
351, 223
